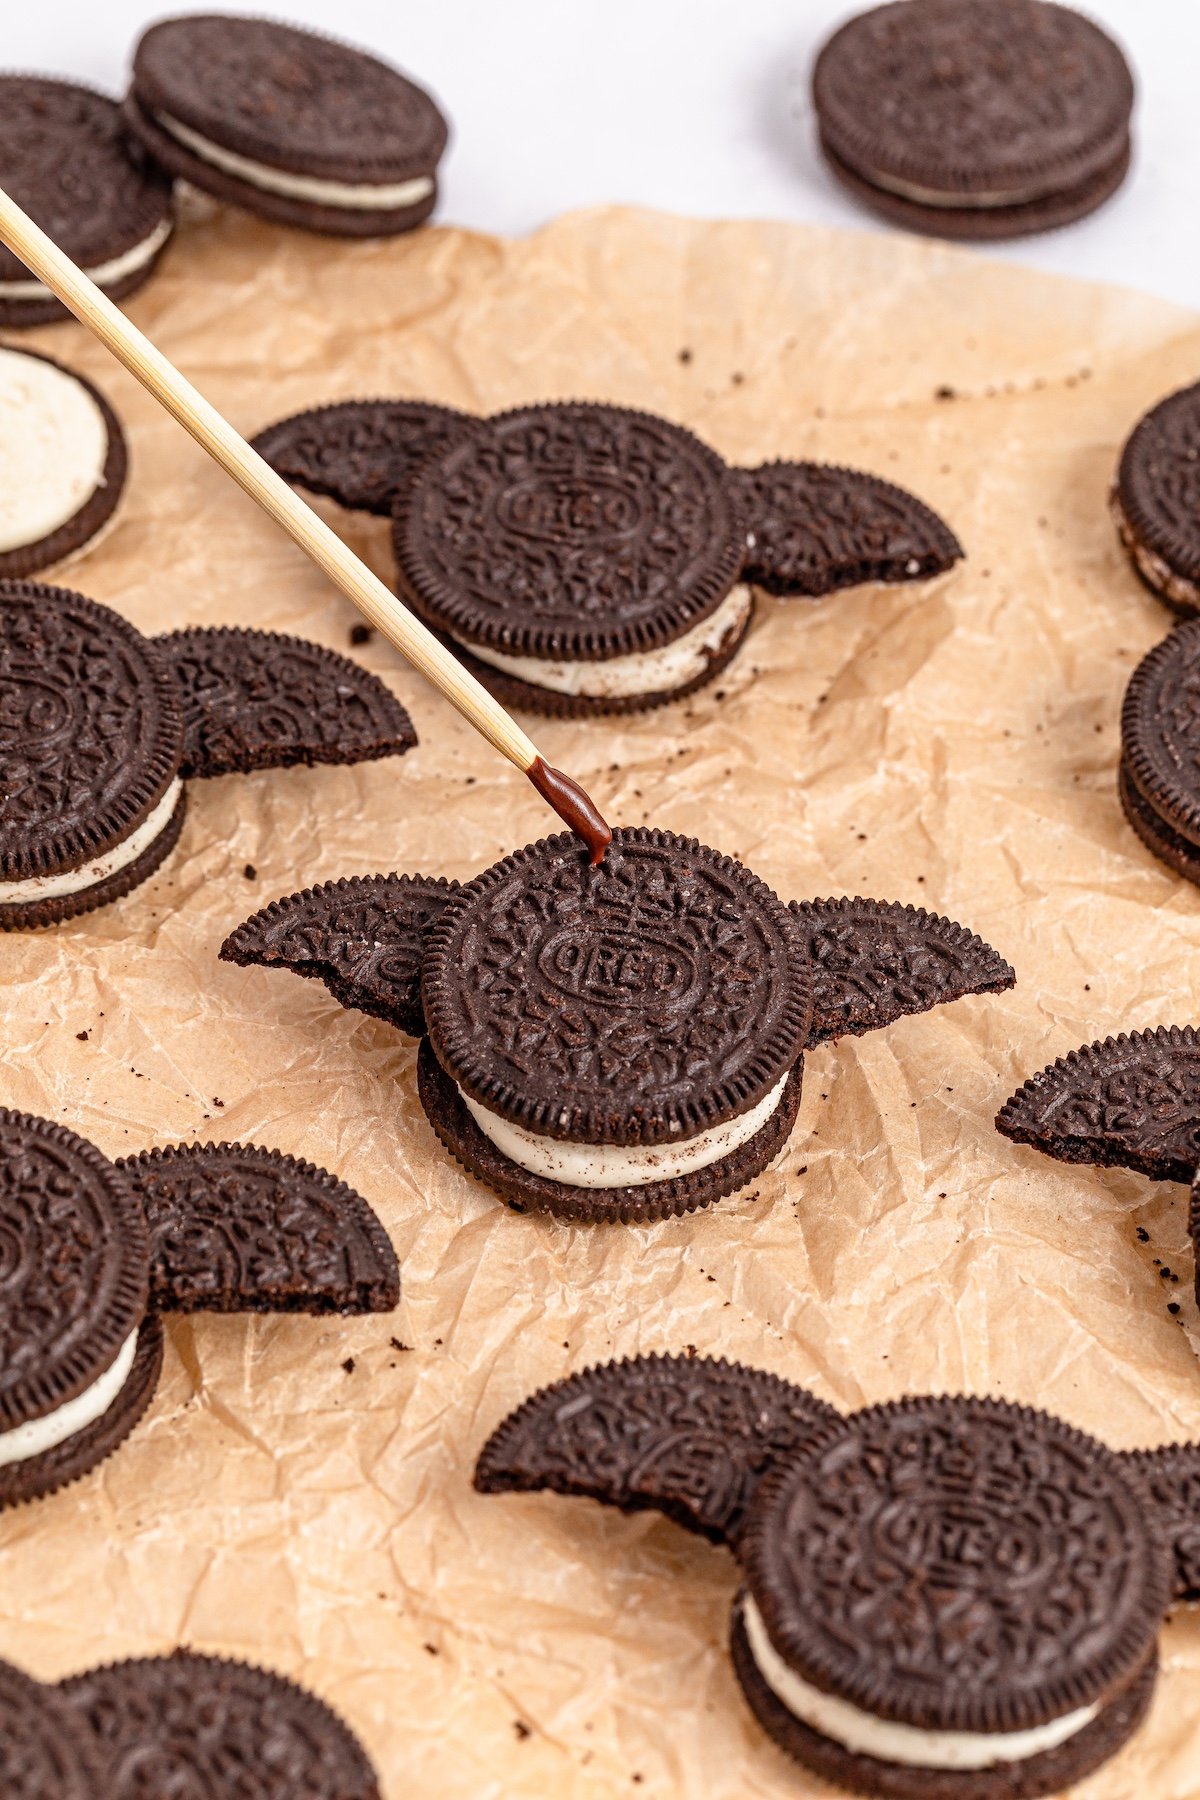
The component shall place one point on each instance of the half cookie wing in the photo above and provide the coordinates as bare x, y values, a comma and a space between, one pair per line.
815, 528
238, 1229
363, 937
1131, 1102
361, 453
1173, 1476
688, 1437
874, 961
259, 700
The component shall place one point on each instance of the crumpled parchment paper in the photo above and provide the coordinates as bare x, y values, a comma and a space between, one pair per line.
953, 745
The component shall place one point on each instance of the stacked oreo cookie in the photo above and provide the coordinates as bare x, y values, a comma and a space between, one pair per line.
1159, 776
975, 118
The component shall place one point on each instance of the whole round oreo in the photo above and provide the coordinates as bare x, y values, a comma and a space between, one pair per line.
1160, 730
959, 1565
639, 1002
46, 1752
972, 102
62, 462
1157, 499
67, 157
74, 1267
361, 453
570, 531
91, 730
205, 1728
231, 103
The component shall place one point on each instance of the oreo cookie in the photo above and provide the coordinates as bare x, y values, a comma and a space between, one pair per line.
1160, 750
200, 1725
289, 124
361, 453
68, 159
1155, 500
63, 461
1172, 1476
46, 1750
100, 727
968, 119
621, 1042
589, 559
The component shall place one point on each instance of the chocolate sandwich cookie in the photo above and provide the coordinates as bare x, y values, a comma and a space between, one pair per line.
686, 1436
972, 118
46, 1750
67, 158
1155, 500
62, 462
1160, 750
361, 453
199, 1725
100, 727
288, 123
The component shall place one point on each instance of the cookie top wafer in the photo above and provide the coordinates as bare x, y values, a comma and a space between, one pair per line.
958, 1565
1158, 483
639, 1002
1160, 729
46, 1751
74, 1260
210, 1729
361, 453
91, 729
973, 102
577, 531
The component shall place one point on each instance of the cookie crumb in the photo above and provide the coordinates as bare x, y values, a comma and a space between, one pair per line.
82, 1036
250, 872
360, 634
522, 1730
349, 1365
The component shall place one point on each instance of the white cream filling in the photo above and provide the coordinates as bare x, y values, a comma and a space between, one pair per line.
46, 1433
361, 196
620, 1165
955, 202
866, 1735
645, 672
53, 448
73, 881
104, 274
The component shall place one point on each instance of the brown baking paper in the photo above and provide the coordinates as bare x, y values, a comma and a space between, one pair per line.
300, 1493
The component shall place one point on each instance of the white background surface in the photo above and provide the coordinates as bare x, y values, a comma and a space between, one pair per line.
696, 106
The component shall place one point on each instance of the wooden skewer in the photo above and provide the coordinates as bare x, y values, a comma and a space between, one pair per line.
226, 447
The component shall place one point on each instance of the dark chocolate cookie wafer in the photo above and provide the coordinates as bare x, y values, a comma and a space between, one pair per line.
1160, 731
63, 461
686, 1436
67, 158
363, 937
874, 962
1170, 847
951, 1599
361, 453
1155, 500
75, 1267
238, 1229
258, 700
1130, 1102
975, 118
816, 528
290, 124
200, 1726
1172, 1475
46, 1751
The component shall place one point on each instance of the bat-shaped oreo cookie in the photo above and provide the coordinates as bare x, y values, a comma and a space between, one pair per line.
623, 1042
583, 558
895, 1630
101, 727
94, 1251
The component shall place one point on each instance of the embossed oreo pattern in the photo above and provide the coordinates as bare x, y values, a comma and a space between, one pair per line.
259, 700
90, 729
1158, 482
1130, 1102
576, 531
689, 1437
234, 1228
972, 99
875, 961
293, 99
45, 1752
206, 1729
634, 1003
73, 1266
1160, 729
361, 453
818, 528
1172, 1475
363, 937
958, 1565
